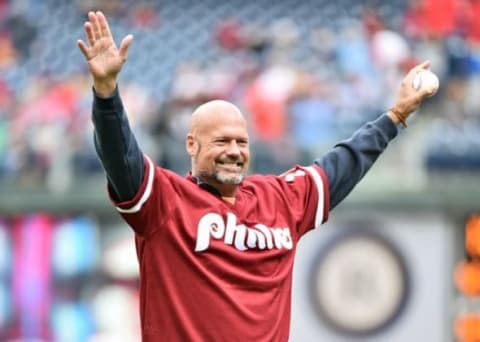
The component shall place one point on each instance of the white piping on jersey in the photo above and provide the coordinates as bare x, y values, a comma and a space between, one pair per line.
146, 193
318, 182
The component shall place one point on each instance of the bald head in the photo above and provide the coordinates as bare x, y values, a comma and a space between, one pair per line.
214, 112
218, 145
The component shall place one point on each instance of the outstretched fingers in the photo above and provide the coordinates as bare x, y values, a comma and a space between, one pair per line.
103, 25
89, 33
104, 59
90, 38
95, 26
124, 45
83, 48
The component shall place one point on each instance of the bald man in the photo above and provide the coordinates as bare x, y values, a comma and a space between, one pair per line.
216, 247
218, 146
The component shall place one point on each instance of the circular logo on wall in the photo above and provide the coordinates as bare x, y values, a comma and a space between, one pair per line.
360, 283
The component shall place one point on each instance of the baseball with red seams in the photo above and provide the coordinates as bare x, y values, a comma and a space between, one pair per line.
427, 80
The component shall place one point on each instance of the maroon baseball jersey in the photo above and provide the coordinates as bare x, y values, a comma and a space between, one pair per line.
215, 271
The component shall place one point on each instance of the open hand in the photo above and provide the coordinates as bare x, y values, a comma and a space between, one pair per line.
103, 57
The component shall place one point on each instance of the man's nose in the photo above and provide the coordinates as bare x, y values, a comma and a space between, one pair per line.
233, 148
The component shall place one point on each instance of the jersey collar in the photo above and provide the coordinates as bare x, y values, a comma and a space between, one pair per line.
210, 188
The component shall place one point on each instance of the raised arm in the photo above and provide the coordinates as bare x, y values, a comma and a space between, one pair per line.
347, 163
115, 143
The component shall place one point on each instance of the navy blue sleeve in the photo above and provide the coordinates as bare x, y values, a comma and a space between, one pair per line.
117, 147
347, 163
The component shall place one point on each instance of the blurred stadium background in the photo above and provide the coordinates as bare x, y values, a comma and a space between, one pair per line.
306, 73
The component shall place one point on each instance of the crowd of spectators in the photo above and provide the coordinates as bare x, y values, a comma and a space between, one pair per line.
302, 83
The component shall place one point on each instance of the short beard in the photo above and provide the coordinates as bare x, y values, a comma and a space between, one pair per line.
235, 180
228, 180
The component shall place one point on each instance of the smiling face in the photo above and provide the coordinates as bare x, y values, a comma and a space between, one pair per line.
218, 145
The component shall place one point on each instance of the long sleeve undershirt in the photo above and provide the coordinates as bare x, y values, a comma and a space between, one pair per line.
117, 147
122, 158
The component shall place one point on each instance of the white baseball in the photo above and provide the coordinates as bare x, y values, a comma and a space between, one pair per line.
427, 80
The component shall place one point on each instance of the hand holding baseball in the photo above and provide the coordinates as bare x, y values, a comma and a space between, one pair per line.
425, 79
419, 84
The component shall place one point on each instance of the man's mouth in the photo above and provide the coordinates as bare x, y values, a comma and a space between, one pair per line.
233, 165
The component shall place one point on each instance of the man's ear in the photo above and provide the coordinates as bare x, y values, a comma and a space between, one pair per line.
190, 145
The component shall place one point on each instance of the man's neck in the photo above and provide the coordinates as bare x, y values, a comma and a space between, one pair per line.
230, 200
226, 191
